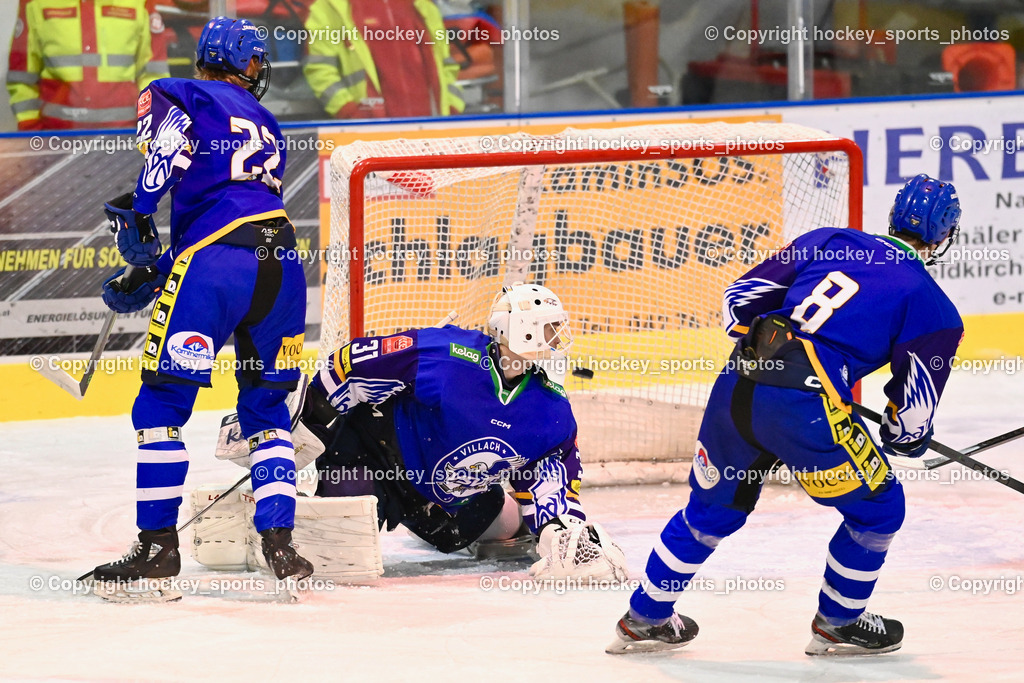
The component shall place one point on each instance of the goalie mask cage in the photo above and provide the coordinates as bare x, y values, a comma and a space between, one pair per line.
638, 230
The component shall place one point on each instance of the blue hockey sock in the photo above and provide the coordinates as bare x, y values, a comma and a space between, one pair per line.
158, 413
856, 554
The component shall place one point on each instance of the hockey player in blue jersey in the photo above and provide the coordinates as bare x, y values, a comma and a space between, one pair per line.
217, 150
830, 308
434, 421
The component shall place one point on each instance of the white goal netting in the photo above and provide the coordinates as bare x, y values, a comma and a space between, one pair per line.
638, 243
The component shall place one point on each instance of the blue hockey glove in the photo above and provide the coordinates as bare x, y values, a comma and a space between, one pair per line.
913, 449
133, 292
137, 239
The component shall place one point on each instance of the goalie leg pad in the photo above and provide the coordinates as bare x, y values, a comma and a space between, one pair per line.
340, 536
220, 537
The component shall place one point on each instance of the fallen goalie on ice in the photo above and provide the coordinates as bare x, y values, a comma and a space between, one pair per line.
466, 439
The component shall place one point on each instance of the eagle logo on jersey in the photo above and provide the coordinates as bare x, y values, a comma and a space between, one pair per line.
169, 149
741, 293
914, 419
355, 390
474, 467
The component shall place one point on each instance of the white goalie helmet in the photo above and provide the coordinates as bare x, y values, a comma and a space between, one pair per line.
530, 321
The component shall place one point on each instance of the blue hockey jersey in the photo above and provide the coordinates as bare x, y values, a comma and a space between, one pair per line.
218, 151
862, 301
459, 429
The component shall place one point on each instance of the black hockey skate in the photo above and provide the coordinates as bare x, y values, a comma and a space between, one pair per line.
281, 557
869, 635
141, 574
633, 635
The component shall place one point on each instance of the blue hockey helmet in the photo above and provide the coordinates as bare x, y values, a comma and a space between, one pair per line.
927, 209
230, 45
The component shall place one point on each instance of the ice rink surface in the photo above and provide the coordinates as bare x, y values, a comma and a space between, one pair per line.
66, 504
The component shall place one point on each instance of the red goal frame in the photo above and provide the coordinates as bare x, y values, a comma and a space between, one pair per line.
364, 167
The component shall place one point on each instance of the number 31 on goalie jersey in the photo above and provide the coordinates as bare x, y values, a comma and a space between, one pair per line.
825, 302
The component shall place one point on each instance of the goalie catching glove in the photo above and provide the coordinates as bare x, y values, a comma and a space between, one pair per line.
137, 239
572, 548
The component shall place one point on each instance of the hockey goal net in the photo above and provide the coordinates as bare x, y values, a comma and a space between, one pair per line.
638, 230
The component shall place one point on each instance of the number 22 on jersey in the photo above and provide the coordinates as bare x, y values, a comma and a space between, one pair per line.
254, 144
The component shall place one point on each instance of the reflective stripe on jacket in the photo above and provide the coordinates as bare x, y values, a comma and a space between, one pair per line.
82, 63
342, 71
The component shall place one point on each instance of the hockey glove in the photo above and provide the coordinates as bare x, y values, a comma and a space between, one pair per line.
137, 239
913, 449
572, 548
133, 292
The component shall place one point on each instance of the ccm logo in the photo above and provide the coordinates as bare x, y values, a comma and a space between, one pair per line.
499, 423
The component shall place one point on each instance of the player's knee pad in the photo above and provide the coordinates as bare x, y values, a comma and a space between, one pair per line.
710, 523
234, 446
449, 532
261, 408
163, 404
880, 515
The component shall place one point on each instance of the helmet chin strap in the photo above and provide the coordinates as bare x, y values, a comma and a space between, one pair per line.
258, 86
941, 251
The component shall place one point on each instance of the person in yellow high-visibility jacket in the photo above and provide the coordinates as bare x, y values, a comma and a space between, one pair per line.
82, 63
381, 58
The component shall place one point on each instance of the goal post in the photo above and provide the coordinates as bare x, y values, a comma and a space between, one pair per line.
638, 230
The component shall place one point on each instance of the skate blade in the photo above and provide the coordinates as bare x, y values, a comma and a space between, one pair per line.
823, 647
629, 647
291, 589
136, 592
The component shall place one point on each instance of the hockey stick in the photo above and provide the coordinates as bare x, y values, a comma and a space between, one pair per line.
68, 383
184, 526
1009, 436
953, 454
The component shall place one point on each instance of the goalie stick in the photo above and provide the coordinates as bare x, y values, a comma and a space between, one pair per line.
955, 455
